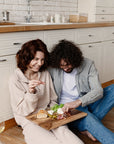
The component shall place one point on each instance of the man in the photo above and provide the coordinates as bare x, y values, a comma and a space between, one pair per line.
77, 85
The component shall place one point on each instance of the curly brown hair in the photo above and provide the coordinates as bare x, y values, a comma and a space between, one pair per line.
27, 53
68, 51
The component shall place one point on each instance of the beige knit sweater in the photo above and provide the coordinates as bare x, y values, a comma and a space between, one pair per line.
24, 103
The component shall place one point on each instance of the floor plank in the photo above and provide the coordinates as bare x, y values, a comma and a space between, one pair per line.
13, 136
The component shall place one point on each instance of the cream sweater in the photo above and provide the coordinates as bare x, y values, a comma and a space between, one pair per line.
24, 103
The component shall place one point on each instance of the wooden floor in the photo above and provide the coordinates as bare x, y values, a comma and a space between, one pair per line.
108, 121
14, 135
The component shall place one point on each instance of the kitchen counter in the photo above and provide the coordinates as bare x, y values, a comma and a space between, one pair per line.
26, 27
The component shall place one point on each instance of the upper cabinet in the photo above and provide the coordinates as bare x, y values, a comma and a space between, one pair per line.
98, 10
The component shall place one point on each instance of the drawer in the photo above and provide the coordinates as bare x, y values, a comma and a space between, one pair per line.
53, 36
108, 33
103, 18
105, 3
10, 43
88, 35
92, 51
104, 10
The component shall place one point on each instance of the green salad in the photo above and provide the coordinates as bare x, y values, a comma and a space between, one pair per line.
56, 107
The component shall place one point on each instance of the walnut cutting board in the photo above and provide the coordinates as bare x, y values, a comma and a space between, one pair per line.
49, 123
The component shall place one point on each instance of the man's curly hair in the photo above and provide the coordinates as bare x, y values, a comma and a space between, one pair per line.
68, 51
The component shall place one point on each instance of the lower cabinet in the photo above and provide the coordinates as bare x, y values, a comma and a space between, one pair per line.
93, 51
52, 37
7, 66
95, 46
108, 61
10, 43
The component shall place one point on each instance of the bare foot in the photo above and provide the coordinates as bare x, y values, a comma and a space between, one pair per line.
89, 135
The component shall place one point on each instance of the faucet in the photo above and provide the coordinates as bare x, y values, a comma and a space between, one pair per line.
28, 17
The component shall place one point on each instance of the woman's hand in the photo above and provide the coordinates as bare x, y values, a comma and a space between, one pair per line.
71, 105
32, 85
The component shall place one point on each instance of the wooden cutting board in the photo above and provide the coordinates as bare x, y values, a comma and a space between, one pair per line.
49, 123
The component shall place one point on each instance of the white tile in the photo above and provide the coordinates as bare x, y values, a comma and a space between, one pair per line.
1, 1
18, 8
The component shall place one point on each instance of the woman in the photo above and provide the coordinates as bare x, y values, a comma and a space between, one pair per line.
31, 89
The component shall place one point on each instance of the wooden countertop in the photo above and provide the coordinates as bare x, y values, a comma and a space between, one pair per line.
20, 28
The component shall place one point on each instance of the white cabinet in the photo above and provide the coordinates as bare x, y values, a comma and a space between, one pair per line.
95, 43
108, 60
93, 51
7, 66
10, 43
98, 45
108, 53
104, 10
98, 10
108, 33
105, 3
53, 36
88, 35
90, 40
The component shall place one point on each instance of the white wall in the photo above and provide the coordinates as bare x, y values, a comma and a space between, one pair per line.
18, 8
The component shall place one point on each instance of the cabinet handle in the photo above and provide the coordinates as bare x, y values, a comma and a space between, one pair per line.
17, 43
3, 60
102, 18
112, 42
90, 46
103, 10
90, 35
113, 33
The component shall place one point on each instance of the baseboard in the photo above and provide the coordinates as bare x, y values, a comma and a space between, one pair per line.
107, 83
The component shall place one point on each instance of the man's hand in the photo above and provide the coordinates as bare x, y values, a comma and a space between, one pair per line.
71, 105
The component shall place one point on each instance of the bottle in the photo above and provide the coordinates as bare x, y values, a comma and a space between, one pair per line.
51, 19
63, 19
57, 18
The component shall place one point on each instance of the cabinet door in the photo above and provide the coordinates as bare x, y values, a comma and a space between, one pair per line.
105, 3
88, 35
7, 66
53, 37
10, 43
108, 33
105, 18
108, 60
94, 52
104, 10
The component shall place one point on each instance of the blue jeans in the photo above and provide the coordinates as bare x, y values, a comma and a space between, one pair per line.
96, 112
